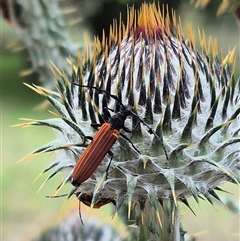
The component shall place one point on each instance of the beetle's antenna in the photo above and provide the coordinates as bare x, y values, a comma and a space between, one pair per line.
79, 210
151, 131
101, 90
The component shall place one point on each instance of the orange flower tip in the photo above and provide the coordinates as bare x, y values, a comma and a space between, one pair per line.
150, 21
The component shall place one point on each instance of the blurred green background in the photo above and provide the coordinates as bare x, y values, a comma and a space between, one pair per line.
24, 211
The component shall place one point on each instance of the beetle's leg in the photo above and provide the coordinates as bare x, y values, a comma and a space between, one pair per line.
151, 131
106, 114
107, 110
127, 129
111, 154
135, 127
79, 212
95, 125
160, 138
126, 138
109, 164
89, 137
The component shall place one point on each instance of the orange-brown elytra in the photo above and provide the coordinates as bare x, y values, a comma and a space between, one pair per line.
103, 141
94, 153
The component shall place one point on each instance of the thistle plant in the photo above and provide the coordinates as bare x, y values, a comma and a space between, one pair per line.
191, 100
37, 25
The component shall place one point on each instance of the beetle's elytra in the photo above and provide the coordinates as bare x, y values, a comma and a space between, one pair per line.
94, 153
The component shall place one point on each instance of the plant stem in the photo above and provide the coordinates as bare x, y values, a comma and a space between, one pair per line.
162, 224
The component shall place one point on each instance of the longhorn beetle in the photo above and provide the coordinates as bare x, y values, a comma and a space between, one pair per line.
104, 139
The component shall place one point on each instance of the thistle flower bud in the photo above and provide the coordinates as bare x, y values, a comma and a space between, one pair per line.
190, 99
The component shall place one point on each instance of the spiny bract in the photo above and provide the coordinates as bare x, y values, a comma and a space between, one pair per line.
189, 97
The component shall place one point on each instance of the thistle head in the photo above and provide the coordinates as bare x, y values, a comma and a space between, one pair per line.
189, 98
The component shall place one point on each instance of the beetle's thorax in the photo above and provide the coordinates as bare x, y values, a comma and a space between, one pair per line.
117, 120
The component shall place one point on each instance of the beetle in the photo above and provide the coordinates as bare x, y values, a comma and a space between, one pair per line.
104, 139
